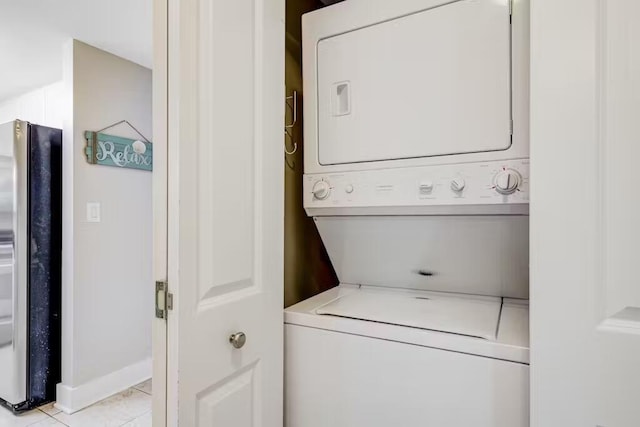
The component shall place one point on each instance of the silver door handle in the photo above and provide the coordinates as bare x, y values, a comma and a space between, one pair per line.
238, 339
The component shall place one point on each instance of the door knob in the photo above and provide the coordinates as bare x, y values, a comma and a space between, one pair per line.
238, 339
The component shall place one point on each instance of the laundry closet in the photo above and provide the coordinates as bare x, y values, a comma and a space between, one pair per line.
406, 214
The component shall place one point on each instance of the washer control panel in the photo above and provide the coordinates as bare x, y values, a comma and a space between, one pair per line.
487, 183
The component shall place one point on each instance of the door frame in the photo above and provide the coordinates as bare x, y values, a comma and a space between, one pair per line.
161, 405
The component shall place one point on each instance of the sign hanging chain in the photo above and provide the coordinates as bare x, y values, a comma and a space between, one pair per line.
130, 125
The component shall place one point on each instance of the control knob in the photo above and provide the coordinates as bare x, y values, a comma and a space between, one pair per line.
507, 181
426, 187
458, 184
321, 190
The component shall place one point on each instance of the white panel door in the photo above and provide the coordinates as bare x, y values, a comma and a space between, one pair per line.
225, 212
585, 210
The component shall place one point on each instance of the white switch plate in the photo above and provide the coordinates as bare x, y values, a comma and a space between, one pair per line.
93, 212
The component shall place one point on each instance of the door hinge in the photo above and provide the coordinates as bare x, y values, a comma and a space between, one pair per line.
164, 299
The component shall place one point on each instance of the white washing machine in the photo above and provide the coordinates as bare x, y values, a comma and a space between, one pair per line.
344, 371
429, 326
417, 176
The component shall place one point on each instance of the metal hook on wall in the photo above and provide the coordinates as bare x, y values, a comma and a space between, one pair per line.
292, 103
287, 132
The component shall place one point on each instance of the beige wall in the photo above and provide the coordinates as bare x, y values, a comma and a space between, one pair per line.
107, 279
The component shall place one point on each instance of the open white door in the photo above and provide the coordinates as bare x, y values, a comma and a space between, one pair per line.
585, 211
225, 96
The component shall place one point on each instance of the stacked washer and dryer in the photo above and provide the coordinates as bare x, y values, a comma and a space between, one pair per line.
417, 177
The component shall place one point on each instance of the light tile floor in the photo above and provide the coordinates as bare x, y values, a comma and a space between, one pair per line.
131, 408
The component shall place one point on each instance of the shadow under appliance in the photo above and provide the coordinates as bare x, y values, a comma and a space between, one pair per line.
30, 263
417, 176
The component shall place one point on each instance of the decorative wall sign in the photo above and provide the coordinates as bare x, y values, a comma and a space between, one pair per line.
110, 150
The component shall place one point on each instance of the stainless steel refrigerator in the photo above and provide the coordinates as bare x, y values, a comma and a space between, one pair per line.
30, 263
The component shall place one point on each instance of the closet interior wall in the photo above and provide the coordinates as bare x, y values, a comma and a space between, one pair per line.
307, 270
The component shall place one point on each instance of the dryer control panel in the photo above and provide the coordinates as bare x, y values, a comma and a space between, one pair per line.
503, 182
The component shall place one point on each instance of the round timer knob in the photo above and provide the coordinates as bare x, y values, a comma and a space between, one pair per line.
507, 181
321, 190
457, 184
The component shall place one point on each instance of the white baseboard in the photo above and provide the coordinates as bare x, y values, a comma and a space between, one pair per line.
72, 399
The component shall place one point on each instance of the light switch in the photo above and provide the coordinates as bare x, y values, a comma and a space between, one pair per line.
93, 212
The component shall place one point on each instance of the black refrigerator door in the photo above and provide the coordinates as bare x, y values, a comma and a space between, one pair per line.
44, 234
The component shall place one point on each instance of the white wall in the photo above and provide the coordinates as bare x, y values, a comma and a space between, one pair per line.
42, 106
107, 280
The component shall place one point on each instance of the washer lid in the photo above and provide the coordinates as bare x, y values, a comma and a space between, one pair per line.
473, 316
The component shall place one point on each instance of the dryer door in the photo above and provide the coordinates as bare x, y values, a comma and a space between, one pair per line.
432, 83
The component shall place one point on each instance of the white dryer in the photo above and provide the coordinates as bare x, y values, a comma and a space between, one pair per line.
390, 84
417, 176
